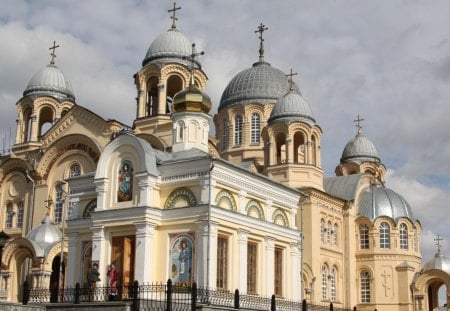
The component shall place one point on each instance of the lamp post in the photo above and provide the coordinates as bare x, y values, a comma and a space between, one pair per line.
61, 259
3, 239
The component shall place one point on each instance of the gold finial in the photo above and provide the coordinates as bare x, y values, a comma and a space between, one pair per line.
261, 29
358, 123
291, 81
438, 242
173, 17
52, 54
191, 58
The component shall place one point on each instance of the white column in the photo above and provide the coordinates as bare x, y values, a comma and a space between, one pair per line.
102, 186
98, 249
243, 244
295, 272
144, 255
145, 189
268, 211
74, 260
202, 256
270, 267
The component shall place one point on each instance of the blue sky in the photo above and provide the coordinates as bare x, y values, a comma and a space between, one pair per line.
388, 61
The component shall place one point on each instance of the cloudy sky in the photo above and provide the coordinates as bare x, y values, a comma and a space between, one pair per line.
388, 61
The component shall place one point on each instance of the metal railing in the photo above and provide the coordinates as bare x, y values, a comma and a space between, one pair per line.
167, 297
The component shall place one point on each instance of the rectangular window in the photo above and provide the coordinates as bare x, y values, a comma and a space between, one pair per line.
278, 272
222, 262
251, 267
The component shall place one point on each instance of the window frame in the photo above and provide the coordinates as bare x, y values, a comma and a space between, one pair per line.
255, 129
364, 236
252, 266
364, 284
222, 262
385, 235
403, 236
238, 126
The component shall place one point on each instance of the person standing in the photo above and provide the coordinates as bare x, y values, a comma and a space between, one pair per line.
112, 281
93, 278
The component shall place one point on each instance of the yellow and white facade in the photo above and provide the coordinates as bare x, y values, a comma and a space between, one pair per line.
249, 209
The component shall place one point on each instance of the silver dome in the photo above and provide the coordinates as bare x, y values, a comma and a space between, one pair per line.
169, 46
360, 149
261, 83
376, 201
45, 234
50, 81
438, 262
292, 107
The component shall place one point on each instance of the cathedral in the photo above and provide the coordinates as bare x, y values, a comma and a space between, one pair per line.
247, 209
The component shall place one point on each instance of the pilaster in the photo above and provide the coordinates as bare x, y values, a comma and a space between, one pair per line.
144, 256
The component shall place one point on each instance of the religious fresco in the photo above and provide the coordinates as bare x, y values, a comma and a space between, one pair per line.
180, 264
125, 182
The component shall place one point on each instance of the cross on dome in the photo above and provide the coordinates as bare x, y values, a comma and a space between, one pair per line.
291, 81
358, 123
261, 29
191, 58
438, 242
52, 54
173, 17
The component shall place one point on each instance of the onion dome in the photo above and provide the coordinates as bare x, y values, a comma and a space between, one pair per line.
191, 99
261, 83
50, 81
376, 201
170, 46
45, 234
438, 262
292, 107
360, 149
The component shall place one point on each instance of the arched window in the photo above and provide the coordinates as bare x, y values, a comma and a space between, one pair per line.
322, 230
255, 128
324, 282
9, 215
403, 236
238, 130
75, 170
364, 236
365, 287
335, 234
329, 232
20, 211
225, 135
59, 201
333, 284
385, 235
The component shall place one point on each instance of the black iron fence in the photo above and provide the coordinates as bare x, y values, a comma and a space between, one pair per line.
167, 297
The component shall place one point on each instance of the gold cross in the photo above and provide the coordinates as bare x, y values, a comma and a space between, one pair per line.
174, 10
261, 29
53, 55
291, 81
358, 123
49, 201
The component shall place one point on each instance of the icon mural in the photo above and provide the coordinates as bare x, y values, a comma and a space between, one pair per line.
125, 182
181, 259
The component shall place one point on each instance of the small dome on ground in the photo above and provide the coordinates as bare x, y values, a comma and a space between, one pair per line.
45, 234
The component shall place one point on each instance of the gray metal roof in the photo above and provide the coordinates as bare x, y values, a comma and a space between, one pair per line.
376, 201
45, 234
50, 81
169, 46
439, 262
261, 83
360, 149
343, 187
292, 107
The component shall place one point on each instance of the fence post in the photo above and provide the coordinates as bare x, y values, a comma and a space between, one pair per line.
194, 296
169, 295
331, 306
273, 306
354, 308
304, 305
25, 293
77, 294
135, 295
236, 299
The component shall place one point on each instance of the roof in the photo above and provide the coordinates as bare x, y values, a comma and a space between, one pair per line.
50, 81
292, 107
343, 187
360, 149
